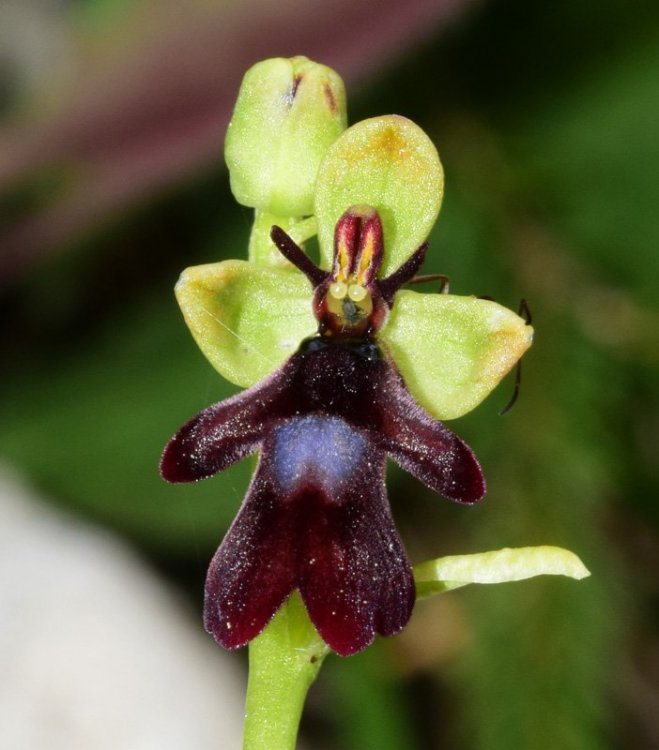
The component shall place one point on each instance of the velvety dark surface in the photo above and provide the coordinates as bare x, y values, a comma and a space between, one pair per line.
316, 516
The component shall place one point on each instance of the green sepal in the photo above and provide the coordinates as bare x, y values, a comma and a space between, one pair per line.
500, 566
288, 113
388, 163
246, 319
452, 350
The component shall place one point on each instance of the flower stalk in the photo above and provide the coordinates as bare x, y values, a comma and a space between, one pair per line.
284, 660
262, 251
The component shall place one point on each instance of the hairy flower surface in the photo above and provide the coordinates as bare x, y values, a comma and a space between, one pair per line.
316, 516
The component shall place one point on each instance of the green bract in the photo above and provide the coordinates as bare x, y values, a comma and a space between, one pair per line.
499, 566
287, 115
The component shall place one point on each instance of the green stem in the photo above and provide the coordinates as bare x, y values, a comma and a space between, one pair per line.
261, 249
283, 662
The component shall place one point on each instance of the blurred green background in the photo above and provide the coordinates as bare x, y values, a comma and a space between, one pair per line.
546, 116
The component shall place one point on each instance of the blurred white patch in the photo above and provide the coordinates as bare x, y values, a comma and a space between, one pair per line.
95, 653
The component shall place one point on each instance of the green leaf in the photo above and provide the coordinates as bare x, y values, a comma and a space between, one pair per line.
452, 351
246, 319
499, 566
288, 113
388, 163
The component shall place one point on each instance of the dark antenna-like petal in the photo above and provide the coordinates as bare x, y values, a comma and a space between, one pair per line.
296, 255
392, 283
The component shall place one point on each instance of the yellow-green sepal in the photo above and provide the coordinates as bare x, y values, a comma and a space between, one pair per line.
288, 113
388, 163
500, 566
451, 350
246, 319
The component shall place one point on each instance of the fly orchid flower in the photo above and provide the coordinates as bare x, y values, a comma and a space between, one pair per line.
343, 370
316, 516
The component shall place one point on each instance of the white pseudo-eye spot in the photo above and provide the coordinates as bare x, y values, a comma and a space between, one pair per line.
338, 290
356, 292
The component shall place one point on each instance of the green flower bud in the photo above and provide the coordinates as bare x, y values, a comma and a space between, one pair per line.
288, 113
